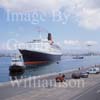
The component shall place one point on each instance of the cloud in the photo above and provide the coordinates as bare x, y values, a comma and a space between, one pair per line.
90, 19
86, 13
80, 43
22, 5
71, 42
91, 43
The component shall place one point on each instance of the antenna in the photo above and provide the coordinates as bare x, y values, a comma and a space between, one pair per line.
40, 30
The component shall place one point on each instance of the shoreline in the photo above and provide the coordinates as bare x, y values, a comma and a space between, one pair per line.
38, 77
49, 75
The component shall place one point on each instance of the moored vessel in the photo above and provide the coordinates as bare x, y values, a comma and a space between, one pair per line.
41, 51
78, 57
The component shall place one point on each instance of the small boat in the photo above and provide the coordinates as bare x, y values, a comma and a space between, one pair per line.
17, 64
78, 57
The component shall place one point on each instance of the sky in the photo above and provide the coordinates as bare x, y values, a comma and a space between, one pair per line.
73, 23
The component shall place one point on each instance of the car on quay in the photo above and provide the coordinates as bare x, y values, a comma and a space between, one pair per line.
84, 75
95, 70
78, 75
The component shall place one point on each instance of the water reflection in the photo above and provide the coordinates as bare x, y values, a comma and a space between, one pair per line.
40, 65
29, 71
16, 75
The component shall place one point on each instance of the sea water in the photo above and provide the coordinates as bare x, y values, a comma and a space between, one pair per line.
66, 63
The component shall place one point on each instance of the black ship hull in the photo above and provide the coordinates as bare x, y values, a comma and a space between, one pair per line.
37, 58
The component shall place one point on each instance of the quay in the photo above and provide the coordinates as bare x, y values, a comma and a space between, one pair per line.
9, 91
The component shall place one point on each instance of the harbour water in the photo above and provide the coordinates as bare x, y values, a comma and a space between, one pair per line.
65, 64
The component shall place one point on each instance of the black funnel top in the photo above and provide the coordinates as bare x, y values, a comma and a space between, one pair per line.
49, 37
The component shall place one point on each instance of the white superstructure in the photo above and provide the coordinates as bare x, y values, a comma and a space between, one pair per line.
43, 46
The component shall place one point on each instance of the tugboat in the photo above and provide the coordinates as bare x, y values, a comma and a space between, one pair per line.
17, 64
41, 51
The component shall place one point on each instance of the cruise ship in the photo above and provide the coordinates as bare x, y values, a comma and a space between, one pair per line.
41, 51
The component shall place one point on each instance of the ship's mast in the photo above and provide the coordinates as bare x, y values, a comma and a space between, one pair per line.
39, 31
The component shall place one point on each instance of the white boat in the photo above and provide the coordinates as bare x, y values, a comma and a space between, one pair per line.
16, 63
78, 57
